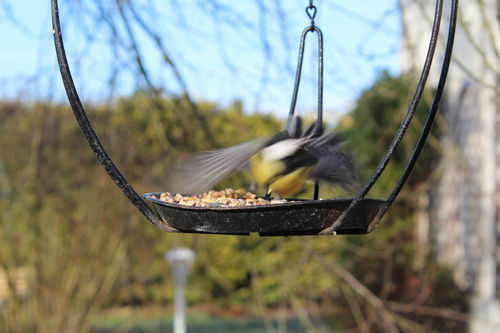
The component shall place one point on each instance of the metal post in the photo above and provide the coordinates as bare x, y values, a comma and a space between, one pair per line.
181, 260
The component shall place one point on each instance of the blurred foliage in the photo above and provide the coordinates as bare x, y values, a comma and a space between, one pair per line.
87, 248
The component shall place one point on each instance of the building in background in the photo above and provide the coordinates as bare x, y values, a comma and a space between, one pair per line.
464, 207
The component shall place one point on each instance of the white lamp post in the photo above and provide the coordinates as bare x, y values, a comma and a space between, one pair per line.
181, 260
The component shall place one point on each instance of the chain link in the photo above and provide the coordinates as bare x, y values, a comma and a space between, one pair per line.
311, 12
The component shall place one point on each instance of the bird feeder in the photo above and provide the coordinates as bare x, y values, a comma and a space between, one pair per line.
358, 215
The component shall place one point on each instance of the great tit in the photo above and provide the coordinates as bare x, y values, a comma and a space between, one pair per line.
282, 164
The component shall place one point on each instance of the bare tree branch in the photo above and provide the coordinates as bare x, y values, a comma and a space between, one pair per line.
387, 316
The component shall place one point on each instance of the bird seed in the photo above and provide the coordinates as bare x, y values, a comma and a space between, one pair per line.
224, 198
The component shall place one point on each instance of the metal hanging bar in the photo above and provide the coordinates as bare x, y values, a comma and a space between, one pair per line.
311, 12
406, 121
89, 132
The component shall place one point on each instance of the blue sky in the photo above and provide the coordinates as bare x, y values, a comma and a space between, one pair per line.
361, 37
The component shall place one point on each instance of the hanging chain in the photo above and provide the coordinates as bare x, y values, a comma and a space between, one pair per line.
311, 12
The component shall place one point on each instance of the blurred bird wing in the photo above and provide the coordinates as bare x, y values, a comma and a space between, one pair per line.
326, 144
203, 171
337, 168
314, 130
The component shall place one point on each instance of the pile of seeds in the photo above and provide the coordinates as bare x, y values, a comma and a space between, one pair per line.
224, 198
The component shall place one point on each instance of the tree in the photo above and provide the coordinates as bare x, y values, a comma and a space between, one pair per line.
463, 205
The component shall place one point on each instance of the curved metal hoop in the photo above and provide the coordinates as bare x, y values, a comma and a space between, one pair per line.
89, 132
406, 121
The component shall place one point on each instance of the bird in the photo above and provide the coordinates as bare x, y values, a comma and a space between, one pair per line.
282, 164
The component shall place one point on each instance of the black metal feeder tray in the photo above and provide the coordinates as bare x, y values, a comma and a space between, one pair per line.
301, 217
358, 215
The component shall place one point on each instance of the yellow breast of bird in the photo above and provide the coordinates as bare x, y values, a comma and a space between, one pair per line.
267, 174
